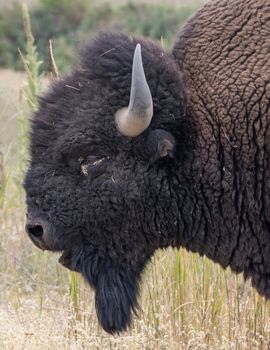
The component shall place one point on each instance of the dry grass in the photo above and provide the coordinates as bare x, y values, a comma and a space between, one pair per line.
10, 83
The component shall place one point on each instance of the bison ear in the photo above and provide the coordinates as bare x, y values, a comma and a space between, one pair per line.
160, 144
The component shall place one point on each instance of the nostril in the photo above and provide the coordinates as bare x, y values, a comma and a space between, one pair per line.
35, 230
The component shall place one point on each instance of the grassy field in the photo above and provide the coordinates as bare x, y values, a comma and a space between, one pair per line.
187, 302
10, 83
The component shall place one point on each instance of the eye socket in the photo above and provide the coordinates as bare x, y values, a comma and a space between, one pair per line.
89, 162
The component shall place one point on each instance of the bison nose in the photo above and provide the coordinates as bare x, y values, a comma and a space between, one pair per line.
37, 233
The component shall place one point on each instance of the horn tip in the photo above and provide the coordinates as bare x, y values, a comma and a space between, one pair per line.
138, 47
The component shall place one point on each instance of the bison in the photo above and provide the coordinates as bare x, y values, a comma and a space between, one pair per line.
140, 149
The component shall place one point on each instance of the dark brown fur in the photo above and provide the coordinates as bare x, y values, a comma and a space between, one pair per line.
224, 54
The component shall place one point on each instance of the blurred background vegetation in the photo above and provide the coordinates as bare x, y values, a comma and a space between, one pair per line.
69, 22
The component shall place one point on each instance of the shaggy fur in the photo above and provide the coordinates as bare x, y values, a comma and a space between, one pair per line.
109, 201
224, 54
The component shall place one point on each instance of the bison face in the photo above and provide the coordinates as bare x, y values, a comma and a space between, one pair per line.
96, 191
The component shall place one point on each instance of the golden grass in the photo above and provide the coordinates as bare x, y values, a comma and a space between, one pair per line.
10, 83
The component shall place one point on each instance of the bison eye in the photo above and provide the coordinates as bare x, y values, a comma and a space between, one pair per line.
89, 162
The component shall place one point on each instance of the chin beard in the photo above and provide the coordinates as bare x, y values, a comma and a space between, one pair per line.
116, 287
116, 299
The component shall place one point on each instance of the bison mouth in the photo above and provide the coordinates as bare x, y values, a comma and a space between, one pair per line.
116, 287
66, 260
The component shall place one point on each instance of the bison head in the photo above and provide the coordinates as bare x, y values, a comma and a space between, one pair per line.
104, 144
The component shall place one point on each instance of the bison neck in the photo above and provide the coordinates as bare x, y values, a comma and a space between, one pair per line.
227, 216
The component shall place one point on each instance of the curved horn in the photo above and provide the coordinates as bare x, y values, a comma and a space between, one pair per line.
134, 119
